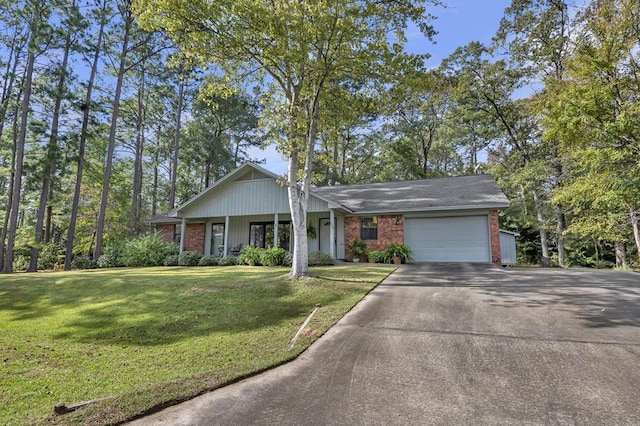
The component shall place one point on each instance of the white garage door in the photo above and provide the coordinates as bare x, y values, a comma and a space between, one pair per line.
448, 239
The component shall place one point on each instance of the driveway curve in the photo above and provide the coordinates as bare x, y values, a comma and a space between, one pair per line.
456, 344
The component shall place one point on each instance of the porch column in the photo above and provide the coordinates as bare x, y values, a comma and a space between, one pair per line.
332, 234
226, 236
275, 230
183, 232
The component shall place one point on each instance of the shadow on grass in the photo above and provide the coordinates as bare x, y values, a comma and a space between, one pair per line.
157, 307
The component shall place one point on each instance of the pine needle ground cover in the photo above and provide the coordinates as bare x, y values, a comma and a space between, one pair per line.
153, 336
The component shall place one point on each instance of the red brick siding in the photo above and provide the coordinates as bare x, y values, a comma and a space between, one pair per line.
390, 230
166, 232
194, 237
494, 229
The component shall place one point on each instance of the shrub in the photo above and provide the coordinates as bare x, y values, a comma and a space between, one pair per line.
171, 260
112, 256
83, 262
251, 256
318, 258
272, 256
48, 256
374, 256
394, 251
20, 263
147, 250
189, 258
208, 261
288, 259
357, 248
228, 261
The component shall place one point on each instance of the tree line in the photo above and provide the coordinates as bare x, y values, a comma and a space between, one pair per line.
113, 111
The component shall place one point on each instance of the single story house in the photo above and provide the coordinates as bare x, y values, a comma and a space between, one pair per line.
450, 219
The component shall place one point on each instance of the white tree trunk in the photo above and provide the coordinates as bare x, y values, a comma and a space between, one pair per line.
636, 232
546, 261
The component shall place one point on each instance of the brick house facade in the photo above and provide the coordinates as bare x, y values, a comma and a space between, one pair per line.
391, 230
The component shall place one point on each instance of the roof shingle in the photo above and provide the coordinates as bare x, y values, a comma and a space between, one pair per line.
448, 193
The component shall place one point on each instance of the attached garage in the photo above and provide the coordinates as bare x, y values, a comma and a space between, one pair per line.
449, 239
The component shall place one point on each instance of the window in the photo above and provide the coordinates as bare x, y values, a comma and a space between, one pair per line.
369, 228
177, 233
261, 234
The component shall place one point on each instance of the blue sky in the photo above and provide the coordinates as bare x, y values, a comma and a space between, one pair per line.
461, 22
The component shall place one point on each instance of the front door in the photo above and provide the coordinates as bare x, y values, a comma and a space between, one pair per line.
217, 239
325, 235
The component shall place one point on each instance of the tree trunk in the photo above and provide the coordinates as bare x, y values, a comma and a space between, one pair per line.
136, 202
83, 142
176, 145
112, 140
154, 188
19, 155
636, 232
50, 161
544, 243
561, 225
621, 254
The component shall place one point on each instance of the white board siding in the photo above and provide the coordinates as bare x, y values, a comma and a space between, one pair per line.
247, 197
508, 248
449, 239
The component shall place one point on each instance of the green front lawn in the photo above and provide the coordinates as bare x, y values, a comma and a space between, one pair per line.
151, 336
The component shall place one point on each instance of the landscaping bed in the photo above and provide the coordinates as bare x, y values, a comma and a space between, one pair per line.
154, 336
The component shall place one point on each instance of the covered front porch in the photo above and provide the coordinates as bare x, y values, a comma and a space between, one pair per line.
227, 235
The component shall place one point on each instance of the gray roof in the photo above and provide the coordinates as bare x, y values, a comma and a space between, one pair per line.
448, 193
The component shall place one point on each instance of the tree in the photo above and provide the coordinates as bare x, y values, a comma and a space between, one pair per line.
298, 50
37, 15
86, 109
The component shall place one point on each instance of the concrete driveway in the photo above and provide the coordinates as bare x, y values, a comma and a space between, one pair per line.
456, 344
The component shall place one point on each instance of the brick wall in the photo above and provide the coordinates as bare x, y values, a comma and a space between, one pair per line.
494, 229
194, 237
166, 231
390, 230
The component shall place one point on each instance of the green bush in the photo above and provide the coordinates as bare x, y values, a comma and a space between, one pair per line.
171, 260
288, 259
228, 261
374, 256
357, 248
83, 262
113, 255
393, 251
251, 256
20, 263
318, 258
272, 256
208, 261
48, 256
147, 250
189, 258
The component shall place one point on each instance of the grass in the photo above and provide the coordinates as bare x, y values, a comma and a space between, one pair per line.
154, 336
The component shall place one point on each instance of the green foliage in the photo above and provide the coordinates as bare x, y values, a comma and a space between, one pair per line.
48, 257
83, 262
251, 256
113, 255
374, 256
318, 258
394, 251
147, 250
20, 263
208, 261
272, 256
171, 260
288, 259
228, 261
357, 247
189, 258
